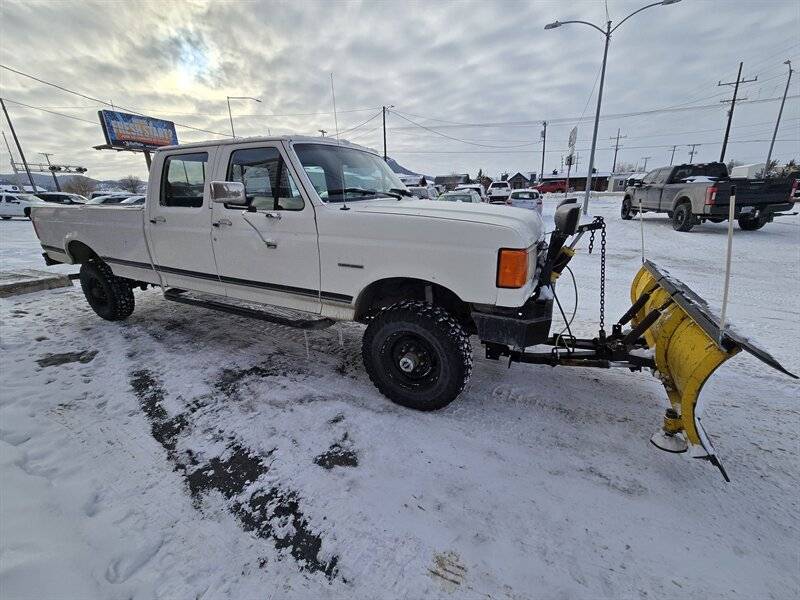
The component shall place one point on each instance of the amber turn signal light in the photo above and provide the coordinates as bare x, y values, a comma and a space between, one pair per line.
512, 268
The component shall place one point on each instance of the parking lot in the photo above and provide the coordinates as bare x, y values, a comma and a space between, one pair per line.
192, 454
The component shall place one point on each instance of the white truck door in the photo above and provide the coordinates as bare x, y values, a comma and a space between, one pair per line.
178, 220
268, 251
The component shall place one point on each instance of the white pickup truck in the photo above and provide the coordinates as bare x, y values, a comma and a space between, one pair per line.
328, 230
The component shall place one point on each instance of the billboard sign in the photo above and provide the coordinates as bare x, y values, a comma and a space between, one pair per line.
136, 132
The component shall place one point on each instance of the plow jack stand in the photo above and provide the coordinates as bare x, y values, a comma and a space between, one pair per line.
688, 347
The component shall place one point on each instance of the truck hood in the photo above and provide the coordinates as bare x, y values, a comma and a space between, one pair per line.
527, 223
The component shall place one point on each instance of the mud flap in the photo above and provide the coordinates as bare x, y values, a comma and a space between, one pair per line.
688, 347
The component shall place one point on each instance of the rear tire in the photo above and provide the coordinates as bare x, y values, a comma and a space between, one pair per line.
6, 218
682, 217
27, 212
626, 211
111, 297
417, 355
748, 223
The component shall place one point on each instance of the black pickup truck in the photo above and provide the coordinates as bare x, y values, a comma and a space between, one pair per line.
692, 194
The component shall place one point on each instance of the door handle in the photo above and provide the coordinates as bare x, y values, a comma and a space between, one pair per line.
222, 222
158, 220
273, 215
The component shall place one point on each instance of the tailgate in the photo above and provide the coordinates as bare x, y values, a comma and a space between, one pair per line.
755, 192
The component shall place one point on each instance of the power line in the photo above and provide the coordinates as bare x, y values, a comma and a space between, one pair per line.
52, 112
103, 102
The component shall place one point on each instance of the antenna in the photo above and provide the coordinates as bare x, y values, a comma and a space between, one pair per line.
338, 141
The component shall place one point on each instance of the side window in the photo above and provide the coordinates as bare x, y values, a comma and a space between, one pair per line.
661, 176
184, 179
650, 177
267, 182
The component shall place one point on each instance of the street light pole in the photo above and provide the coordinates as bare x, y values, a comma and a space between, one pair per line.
385, 108
607, 34
778, 122
230, 115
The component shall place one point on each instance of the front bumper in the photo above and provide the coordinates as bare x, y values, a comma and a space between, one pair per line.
516, 328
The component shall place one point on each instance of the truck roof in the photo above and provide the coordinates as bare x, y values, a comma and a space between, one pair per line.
332, 141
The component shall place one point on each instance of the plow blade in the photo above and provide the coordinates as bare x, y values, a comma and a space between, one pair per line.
688, 346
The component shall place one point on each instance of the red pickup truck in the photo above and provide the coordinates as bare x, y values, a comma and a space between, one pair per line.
557, 185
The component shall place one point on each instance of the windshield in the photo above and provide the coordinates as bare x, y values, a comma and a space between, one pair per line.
27, 197
524, 195
341, 173
456, 197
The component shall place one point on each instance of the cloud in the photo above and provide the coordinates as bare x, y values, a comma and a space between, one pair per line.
447, 62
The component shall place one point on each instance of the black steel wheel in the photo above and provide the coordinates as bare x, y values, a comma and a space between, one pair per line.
417, 355
111, 297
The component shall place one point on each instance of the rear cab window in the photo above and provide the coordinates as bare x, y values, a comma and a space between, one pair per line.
183, 180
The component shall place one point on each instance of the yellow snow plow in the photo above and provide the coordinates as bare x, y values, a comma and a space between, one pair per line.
672, 331
687, 346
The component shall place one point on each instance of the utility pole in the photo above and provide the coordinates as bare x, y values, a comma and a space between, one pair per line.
384, 134
322, 131
672, 158
692, 152
616, 148
19, 147
544, 146
47, 156
646, 158
735, 85
778, 122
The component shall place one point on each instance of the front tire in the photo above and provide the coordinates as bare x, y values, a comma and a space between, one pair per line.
626, 211
27, 212
749, 223
111, 297
417, 355
682, 217
6, 218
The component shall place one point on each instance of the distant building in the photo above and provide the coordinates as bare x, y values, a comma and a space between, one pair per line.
519, 181
450, 182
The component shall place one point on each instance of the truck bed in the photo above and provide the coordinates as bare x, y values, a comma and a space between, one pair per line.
110, 231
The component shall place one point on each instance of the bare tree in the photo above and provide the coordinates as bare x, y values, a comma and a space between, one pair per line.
131, 184
78, 184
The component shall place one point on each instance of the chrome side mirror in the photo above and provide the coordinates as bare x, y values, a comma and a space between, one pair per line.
228, 192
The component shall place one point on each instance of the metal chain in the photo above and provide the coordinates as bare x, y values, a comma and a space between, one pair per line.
602, 275
602, 223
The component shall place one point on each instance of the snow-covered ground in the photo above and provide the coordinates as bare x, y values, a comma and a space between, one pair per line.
189, 454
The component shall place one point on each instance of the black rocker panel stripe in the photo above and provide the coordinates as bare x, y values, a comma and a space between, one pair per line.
234, 280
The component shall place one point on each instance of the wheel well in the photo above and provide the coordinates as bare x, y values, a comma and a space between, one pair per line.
80, 252
386, 292
681, 200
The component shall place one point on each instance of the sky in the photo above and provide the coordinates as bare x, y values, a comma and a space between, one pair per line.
469, 82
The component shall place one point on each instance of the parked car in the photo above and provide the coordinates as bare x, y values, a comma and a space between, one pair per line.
556, 185
475, 187
692, 194
527, 198
498, 190
109, 199
468, 195
61, 197
400, 265
426, 192
17, 205
133, 201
